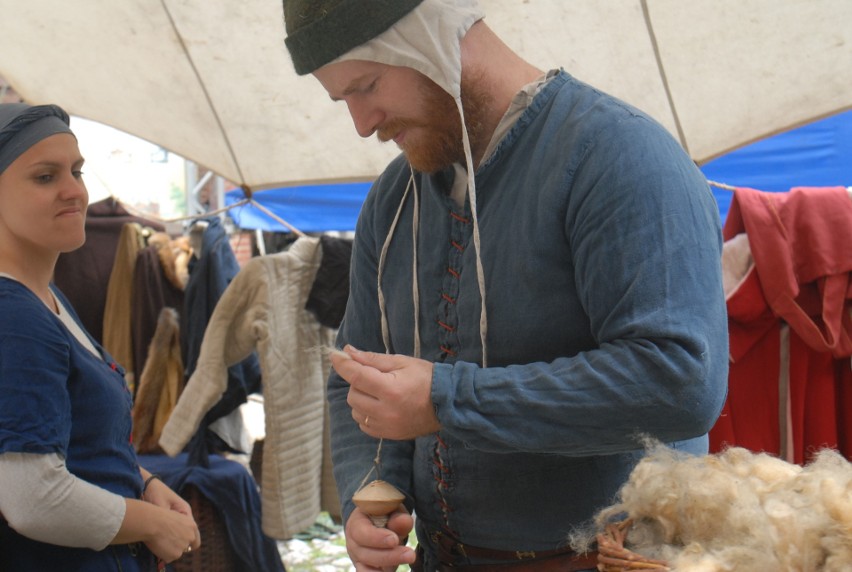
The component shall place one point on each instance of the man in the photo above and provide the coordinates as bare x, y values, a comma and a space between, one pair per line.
536, 282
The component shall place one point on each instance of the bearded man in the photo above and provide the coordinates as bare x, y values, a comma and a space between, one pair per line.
535, 282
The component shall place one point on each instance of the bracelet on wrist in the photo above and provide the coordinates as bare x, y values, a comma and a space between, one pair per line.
148, 482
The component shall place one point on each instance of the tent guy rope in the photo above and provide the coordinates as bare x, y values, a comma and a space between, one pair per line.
249, 200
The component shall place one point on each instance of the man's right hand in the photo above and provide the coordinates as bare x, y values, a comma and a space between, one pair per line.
379, 549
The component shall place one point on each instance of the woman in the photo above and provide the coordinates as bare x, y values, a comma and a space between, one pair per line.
72, 494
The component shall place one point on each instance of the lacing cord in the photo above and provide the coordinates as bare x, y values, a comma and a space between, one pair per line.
383, 306
382, 260
415, 288
480, 272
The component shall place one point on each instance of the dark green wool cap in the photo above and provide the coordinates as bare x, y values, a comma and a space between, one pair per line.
319, 31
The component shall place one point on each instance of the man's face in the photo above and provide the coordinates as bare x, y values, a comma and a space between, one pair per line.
402, 105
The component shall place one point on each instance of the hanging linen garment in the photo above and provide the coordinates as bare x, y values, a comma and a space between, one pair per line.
264, 309
118, 331
789, 323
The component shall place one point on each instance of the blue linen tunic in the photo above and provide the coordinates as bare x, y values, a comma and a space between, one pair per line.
601, 246
56, 397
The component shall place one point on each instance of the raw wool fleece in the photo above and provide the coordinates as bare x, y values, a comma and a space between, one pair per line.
737, 511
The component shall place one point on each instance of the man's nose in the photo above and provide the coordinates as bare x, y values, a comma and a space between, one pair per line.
365, 117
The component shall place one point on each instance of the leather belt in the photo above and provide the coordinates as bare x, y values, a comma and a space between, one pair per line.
451, 553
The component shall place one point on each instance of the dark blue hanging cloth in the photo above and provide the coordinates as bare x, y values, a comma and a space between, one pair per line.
232, 490
209, 275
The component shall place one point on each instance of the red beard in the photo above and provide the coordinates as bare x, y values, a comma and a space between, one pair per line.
434, 141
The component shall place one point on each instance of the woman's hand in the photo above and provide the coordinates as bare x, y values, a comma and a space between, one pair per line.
174, 535
158, 493
175, 532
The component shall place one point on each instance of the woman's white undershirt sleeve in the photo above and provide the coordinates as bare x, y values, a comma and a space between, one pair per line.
43, 501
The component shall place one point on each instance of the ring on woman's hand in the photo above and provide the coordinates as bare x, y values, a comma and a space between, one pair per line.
188, 549
367, 421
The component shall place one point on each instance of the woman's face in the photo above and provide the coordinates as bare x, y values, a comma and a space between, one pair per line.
43, 199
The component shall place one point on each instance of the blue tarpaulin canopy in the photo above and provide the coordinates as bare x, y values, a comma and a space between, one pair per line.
815, 155
309, 208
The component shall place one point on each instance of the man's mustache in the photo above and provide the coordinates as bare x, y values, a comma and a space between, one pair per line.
392, 128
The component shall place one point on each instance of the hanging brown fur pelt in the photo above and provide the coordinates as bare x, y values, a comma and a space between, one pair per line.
160, 385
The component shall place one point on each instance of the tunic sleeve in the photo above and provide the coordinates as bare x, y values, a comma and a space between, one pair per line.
35, 412
43, 501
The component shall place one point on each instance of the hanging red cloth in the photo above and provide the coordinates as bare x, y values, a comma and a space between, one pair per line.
790, 324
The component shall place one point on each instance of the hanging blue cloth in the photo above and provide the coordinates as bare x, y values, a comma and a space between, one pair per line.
233, 491
209, 275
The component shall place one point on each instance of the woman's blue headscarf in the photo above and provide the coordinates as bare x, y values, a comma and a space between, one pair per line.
22, 126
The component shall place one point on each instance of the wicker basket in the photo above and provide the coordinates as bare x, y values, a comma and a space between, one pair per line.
216, 553
614, 557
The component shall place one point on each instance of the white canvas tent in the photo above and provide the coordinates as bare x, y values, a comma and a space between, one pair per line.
211, 79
